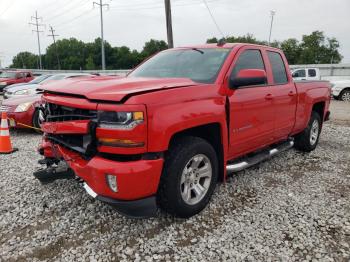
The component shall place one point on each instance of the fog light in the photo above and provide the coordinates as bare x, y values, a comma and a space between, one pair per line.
112, 182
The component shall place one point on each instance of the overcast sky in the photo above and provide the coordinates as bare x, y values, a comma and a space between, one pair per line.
132, 22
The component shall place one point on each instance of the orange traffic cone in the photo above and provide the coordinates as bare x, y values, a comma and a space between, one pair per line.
5, 141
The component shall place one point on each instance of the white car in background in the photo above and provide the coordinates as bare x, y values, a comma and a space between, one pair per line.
341, 90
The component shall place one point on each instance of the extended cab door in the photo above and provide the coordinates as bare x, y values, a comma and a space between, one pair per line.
251, 123
284, 96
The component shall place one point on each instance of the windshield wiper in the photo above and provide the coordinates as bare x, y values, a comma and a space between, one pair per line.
198, 50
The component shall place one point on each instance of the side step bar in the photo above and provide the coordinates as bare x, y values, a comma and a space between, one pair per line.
259, 157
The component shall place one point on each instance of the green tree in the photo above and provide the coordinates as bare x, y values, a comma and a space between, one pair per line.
153, 46
317, 49
90, 65
291, 49
25, 60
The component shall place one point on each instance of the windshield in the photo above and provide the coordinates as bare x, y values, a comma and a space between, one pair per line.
8, 75
39, 79
200, 65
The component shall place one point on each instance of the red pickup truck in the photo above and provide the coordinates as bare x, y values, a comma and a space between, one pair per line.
180, 122
14, 77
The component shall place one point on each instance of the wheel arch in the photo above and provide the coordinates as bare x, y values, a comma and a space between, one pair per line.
213, 134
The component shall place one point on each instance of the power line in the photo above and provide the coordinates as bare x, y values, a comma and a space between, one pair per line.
70, 9
55, 46
36, 24
8, 7
213, 18
101, 5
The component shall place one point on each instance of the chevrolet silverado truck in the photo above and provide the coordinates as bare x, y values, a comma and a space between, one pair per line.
167, 133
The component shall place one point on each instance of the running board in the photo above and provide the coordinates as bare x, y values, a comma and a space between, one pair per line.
259, 157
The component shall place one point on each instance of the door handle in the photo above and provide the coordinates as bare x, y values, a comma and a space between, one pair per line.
291, 93
268, 97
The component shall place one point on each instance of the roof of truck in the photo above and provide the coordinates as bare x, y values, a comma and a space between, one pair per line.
226, 45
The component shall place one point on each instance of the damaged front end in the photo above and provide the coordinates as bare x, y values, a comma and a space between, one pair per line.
107, 152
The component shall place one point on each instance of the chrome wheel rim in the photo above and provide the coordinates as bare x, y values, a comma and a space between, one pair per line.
196, 179
315, 128
346, 97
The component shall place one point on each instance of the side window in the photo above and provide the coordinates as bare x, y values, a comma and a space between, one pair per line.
249, 59
278, 68
299, 73
29, 75
311, 72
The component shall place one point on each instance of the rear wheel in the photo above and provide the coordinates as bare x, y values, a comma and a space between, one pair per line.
345, 95
189, 177
308, 139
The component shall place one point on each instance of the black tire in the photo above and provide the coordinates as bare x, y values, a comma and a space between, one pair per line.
304, 141
169, 196
345, 95
36, 121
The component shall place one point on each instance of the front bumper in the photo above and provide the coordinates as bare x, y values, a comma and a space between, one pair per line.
137, 180
140, 208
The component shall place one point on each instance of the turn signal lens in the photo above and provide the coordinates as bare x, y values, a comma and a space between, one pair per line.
138, 116
112, 182
119, 142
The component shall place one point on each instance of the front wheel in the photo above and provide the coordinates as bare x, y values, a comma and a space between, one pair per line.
189, 177
308, 139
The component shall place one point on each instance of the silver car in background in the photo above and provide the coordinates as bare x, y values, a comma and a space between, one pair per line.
31, 87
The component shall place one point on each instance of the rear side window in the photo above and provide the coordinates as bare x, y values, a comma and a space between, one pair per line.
249, 59
299, 73
312, 72
278, 68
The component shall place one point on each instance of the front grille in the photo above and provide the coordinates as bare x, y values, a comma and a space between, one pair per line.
59, 113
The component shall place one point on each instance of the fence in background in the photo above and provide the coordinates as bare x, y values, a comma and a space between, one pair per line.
329, 71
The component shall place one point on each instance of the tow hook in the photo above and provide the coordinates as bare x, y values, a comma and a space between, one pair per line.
53, 172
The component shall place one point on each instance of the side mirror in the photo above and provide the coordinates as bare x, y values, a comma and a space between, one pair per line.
248, 77
295, 74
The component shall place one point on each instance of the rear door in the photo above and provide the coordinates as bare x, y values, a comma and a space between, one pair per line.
284, 97
251, 112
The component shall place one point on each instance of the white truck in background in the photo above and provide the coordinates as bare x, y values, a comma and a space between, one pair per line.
306, 74
340, 88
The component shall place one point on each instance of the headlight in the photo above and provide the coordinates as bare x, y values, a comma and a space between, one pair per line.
119, 120
23, 107
22, 92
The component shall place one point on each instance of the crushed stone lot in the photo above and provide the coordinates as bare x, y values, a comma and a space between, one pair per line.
293, 207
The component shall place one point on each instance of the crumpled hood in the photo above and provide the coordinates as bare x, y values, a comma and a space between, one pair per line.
114, 89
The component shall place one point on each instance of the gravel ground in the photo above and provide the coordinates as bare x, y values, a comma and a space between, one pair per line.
293, 207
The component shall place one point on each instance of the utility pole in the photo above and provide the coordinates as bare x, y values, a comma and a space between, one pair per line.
101, 5
55, 46
272, 13
169, 26
36, 24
